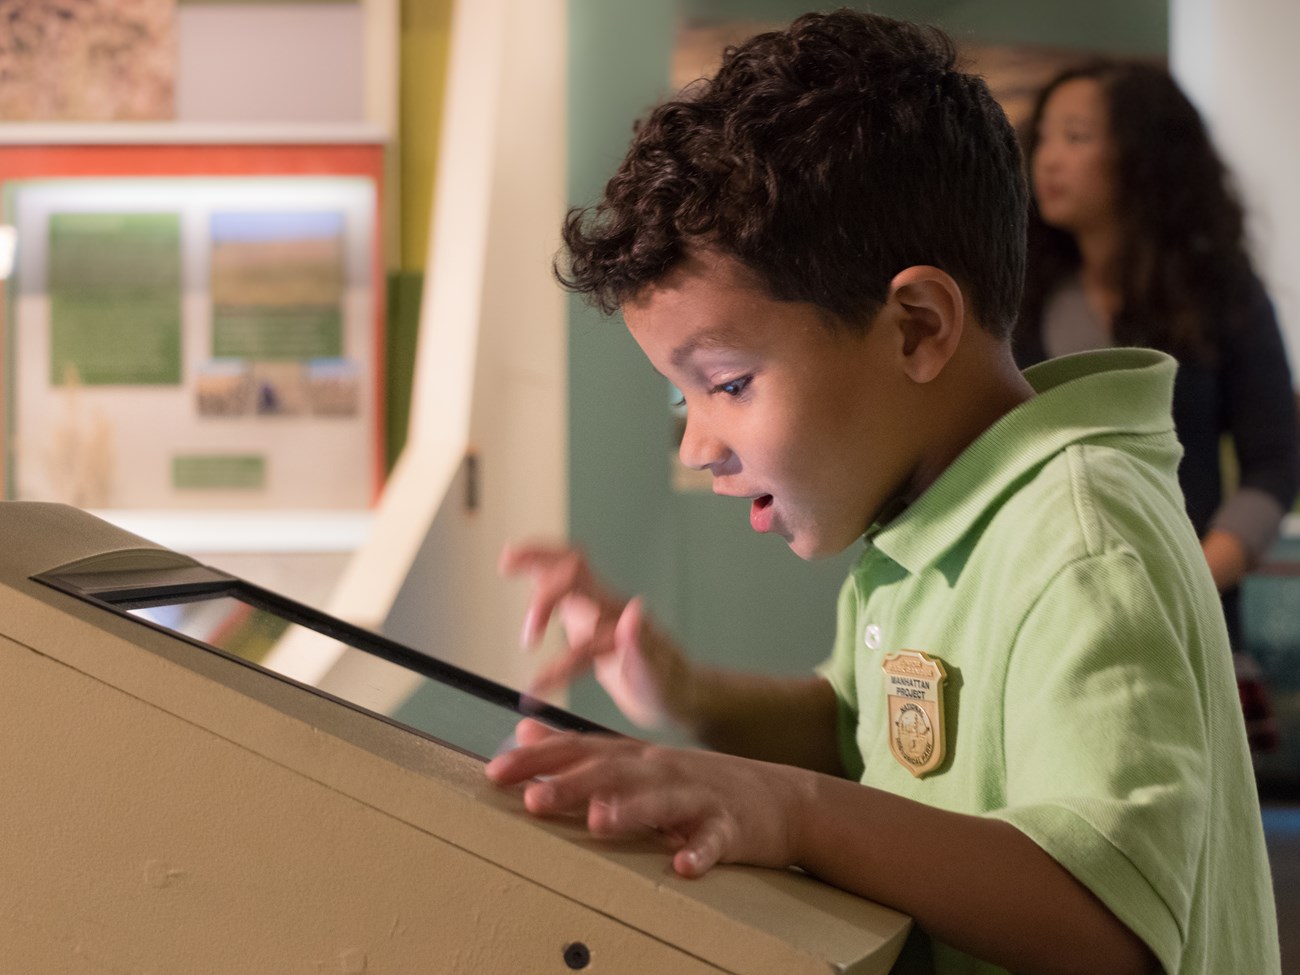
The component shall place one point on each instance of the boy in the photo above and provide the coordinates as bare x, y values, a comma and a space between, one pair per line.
1027, 736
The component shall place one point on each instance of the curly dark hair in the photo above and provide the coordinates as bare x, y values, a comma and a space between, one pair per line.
1183, 264
825, 158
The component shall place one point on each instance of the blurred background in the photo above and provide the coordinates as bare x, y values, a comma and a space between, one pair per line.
276, 293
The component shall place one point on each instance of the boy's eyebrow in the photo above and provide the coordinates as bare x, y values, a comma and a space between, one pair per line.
718, 337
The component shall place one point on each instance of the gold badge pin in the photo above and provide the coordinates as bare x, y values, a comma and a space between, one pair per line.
914, 685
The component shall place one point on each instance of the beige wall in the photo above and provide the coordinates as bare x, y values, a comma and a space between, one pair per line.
490, 369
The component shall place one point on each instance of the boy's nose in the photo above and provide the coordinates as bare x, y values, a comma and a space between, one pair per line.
700, 449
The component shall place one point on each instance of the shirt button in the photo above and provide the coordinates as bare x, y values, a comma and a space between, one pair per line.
871, 636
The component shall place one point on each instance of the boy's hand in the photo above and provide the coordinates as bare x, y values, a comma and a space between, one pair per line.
712, 808
645, 674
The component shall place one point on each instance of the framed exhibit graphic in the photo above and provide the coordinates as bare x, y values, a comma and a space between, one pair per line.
194, 319
195, 341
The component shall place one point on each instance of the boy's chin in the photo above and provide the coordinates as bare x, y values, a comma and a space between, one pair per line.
813, 550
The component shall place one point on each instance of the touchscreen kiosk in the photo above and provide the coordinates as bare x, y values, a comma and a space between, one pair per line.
182, 794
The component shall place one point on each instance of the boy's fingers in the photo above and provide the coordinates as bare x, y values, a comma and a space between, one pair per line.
627, 631
530, 731
547, 757
539, 560
526, 557
621, 795
557, 580
609, 819
602, 777
541, 606
677, 813
533, 626
562, 670
702, 851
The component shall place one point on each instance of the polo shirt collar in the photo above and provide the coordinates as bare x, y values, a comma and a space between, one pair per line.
1082, 396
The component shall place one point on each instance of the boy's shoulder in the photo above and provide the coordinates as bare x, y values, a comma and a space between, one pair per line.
1105, 493
1089, 463
1100, 457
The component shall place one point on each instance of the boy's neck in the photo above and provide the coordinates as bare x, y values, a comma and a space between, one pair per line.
980, 385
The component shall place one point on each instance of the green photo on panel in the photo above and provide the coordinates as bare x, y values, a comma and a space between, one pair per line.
115, 299
278, 279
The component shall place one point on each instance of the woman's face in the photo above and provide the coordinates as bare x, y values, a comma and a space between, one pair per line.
1074, 162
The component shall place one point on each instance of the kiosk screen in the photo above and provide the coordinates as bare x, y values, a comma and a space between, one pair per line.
228, 616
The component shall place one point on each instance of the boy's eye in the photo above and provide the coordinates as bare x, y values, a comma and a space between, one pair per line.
735, 387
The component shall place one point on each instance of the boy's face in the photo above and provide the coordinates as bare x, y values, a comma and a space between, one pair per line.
803, 420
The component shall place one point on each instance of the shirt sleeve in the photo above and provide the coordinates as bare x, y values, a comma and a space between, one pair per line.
1260, 415
1106, 744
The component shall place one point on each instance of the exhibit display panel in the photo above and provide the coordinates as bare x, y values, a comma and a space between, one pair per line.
228, 616
181, 798
232, 316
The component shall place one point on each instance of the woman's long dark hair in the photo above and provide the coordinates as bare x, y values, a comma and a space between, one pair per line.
1183, 262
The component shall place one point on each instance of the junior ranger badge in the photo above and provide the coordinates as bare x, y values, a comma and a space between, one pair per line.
914, 686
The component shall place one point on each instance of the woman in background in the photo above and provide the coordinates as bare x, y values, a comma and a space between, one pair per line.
1137, 239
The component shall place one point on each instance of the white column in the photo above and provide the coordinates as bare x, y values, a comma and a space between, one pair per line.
490, 373
1237, 59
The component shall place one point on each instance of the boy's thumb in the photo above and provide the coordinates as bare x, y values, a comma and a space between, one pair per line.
627, 632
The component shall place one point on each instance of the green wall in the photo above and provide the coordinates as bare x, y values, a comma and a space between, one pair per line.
619, 507
1139, 27
729, 595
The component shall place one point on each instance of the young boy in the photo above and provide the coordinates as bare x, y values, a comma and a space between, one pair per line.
1027, 736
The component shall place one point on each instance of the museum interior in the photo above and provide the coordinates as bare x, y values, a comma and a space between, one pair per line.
280, 329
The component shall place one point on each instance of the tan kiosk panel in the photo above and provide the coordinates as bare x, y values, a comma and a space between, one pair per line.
169, 808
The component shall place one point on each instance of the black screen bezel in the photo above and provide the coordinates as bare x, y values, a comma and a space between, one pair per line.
118, 592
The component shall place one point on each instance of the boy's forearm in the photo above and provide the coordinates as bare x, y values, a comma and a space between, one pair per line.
787, 720
979, 885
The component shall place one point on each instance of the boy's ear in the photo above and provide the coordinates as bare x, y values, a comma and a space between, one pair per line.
929, 313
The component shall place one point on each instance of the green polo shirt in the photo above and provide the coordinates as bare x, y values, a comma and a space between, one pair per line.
1090, 699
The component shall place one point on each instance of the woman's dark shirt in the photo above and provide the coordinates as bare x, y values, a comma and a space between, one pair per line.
1244, 391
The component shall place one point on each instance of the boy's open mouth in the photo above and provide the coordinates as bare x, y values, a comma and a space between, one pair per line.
760, 513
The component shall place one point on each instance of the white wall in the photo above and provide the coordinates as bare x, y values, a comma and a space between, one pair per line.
1237, 61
